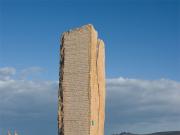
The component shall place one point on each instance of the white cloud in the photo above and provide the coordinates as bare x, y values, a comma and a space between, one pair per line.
142, 105
22, 97
131, 104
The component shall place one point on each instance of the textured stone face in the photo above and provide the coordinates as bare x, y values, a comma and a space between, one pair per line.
81, 83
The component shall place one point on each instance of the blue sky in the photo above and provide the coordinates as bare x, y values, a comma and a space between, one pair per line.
142, 44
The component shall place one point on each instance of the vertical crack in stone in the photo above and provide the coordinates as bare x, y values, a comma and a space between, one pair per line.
97, 55
89, 83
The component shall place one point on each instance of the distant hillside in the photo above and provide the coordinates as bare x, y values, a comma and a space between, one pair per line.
167, 133
158, 133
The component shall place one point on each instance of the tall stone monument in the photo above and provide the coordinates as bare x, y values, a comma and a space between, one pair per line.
81, 83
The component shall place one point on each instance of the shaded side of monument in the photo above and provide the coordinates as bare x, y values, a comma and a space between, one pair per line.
81, 109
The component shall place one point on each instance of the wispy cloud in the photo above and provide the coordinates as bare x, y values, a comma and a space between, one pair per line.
6, 73
30, 71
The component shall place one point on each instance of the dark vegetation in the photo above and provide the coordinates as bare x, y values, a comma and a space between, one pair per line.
158, 133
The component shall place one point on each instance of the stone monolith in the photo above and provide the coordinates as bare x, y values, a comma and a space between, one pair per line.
81, 109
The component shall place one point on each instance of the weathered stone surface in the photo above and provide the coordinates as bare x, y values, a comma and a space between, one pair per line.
81, 83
